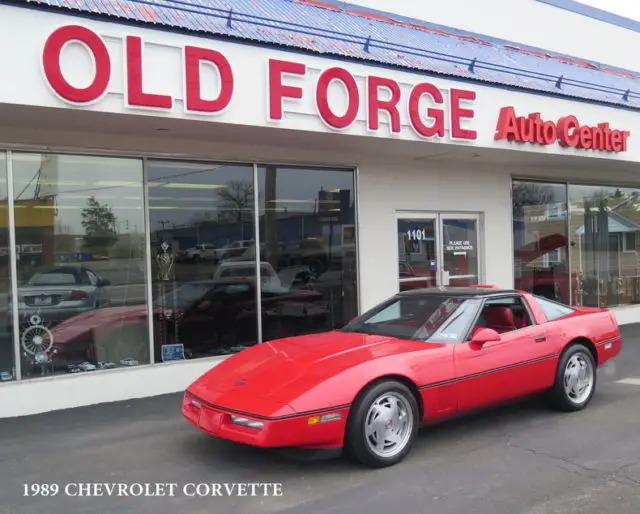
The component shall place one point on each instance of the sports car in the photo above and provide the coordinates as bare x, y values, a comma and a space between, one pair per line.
418, 358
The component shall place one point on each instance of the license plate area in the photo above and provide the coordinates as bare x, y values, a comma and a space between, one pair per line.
209, 420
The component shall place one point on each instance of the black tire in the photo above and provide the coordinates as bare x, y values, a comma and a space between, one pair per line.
557, 397
357, 443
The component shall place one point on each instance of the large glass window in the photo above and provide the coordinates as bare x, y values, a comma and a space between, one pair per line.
307, 250
540, 240
81, 259
604, 230
7, 367
204, 289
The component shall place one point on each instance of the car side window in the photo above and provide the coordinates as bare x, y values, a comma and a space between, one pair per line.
553, 310
505, 315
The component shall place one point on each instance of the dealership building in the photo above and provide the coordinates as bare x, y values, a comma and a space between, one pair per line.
182, 180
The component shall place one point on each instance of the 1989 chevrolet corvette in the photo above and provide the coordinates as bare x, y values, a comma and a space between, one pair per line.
416, 359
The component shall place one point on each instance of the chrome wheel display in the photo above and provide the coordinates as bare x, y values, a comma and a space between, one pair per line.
578, 378
388, 425
37, 339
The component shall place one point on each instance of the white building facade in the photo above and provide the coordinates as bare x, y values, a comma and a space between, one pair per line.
170, 197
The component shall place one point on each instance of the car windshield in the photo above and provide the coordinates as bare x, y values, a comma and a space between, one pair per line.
52, 278
437, 318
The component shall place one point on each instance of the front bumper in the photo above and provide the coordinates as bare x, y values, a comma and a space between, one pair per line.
303, 430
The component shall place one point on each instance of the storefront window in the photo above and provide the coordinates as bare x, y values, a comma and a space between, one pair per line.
307, 250
605, 230
81, 254
7, 367
203, 281
540, 239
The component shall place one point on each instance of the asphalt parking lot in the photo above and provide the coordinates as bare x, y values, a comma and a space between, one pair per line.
517, 459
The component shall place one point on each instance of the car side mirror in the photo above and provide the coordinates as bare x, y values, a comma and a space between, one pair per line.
105, 282
484, 335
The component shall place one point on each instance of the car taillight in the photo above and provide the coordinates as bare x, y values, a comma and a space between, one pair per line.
78, 295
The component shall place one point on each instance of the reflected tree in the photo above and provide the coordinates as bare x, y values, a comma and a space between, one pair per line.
528, 193
99, 223
235, 201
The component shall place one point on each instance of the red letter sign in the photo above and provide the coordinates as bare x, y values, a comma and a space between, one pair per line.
322, 99
375, 105
507, 127
193, 58
568, 131
135, 95
437, 129
51, 63
458, 112
277, 90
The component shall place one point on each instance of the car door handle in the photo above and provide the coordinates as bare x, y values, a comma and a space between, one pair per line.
540, 339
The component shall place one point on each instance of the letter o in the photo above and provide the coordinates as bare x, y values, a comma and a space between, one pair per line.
322, 100
200, 487
549, 132
51, 63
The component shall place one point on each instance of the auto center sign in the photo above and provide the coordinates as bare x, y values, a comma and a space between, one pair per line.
567, 132
430, 111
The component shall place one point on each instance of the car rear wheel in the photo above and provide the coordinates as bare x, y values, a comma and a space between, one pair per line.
576, 379
382, 425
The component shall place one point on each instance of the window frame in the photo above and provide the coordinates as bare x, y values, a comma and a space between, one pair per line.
499, 297
625, 248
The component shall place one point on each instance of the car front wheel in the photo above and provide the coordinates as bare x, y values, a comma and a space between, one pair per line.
575, 381
382, 425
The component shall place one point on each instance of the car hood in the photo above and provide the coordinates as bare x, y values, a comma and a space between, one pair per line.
269, 377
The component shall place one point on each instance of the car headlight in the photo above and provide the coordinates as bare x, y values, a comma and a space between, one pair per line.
246, 422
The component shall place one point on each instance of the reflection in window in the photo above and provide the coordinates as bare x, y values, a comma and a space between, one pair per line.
604, 229
553, 310
203, 281
540, 240
82, 302
435, 318
307, 250
7, 366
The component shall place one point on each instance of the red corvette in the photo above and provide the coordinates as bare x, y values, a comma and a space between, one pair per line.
418, 358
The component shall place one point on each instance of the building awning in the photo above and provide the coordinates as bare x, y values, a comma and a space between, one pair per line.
615, 226
336, 29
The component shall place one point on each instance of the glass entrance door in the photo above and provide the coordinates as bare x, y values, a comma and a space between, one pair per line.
460, 256
438, 250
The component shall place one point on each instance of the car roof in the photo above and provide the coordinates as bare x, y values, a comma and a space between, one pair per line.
470, 291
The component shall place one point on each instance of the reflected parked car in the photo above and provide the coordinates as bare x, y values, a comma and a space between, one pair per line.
553, 282
213, 317
197, 253
61, 292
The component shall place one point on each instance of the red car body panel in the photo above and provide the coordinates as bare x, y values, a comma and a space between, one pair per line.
286, 384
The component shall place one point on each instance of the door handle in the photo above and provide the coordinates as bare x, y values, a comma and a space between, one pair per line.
540, 339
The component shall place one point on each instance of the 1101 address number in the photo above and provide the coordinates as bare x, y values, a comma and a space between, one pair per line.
419, 234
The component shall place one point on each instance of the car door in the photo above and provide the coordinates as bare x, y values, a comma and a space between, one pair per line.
508, 368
